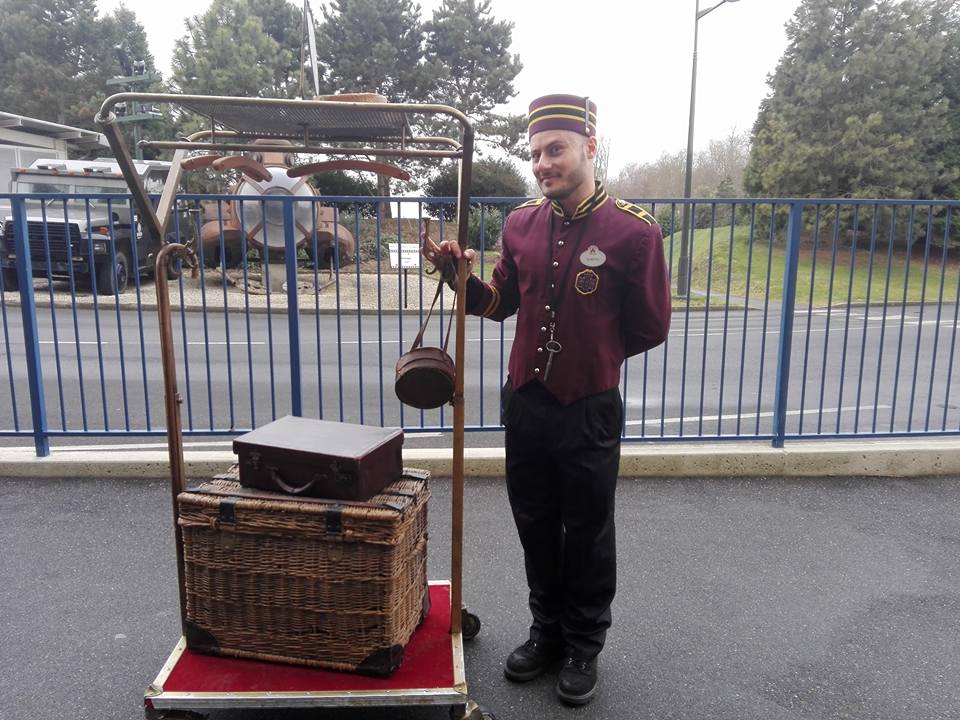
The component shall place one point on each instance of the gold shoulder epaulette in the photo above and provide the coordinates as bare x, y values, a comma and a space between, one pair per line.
636, 211
531, 203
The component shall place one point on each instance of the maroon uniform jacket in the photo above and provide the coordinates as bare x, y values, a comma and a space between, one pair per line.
611, 298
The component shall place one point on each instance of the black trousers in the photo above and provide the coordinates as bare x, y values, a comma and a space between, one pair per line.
562, 464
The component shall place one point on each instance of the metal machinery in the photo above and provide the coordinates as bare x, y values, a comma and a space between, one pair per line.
273, 173
332, 127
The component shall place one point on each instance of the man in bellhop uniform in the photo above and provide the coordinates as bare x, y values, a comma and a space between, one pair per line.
585, 274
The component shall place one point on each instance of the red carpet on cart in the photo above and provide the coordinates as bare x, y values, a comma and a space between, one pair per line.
427, 663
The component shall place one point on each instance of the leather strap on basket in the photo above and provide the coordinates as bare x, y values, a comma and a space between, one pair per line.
419, 341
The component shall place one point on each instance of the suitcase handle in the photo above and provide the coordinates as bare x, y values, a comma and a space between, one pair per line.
290, 489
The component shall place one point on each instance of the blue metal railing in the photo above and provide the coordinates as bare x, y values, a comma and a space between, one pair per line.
805, 318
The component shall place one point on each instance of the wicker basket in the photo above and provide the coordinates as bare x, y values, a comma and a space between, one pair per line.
338, 585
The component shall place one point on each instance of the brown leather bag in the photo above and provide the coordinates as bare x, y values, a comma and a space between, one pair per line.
425, 375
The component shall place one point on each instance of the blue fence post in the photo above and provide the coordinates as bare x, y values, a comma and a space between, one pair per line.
790, 270
31, 339
293, 308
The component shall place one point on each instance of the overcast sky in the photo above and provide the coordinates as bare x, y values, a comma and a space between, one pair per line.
633, 58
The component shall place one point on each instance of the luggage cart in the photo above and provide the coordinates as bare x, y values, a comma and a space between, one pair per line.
433, 672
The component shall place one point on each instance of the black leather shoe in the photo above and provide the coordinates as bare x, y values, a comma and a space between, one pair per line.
531, 659
578, 681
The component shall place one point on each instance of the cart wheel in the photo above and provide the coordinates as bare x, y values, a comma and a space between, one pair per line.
469, 624
471, 711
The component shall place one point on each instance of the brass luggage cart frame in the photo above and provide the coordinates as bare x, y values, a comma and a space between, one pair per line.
320, 127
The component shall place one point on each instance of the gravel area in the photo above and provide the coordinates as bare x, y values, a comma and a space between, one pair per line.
377, 292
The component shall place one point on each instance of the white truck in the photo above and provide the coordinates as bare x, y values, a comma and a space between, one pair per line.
93, 239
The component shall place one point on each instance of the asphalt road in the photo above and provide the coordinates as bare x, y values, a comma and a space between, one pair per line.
738, 600
886, 370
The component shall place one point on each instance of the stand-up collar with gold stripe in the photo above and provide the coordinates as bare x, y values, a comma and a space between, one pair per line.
598, 198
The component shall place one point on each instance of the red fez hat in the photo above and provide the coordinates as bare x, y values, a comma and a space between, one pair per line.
562, 112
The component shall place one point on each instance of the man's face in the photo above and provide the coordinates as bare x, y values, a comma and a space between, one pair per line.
562, 162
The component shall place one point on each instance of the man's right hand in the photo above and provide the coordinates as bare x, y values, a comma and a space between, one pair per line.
444, 256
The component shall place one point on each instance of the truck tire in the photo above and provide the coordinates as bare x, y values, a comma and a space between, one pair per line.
10, 281
110, 282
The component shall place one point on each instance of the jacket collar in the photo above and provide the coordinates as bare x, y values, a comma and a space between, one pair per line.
591, 203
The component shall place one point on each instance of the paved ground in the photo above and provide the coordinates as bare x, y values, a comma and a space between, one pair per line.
739, 599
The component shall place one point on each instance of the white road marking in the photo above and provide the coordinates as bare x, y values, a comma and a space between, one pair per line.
197, 445
73, 342
136, 343
224, 342
744, 416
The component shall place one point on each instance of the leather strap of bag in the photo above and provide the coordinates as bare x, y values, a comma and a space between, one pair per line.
419, 341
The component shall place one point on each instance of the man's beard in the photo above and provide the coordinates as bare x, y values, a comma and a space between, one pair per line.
564, 191
557, 193
570, 184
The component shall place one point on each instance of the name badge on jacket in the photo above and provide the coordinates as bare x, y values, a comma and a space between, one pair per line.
588, 281
593, 257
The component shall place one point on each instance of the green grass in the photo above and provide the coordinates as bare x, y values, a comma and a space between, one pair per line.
754, 266
845, 287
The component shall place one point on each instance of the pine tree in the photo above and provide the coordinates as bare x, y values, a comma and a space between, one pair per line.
56, 55
469, 51
375, 46
855, 105
460, 57
240, 48
944, 16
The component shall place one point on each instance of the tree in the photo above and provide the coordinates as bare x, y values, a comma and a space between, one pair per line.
473, 49
347, 184
855, 105
56, 56
601, 163
129, 34
468, 51
660, 178
283, 21
460, 57
945, 15
491, 178
374, 46
237, 47
717, 172
508, 132
240, 47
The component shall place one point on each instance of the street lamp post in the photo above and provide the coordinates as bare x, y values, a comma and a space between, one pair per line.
686, 233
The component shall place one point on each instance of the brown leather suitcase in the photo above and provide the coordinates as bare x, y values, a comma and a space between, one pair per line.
319, 458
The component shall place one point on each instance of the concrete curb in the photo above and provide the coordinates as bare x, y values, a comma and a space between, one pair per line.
821, 458
279, 307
